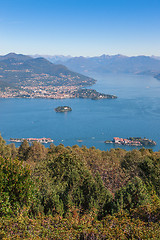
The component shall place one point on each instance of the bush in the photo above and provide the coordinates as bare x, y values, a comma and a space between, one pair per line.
65, 182
15, 186
132, 195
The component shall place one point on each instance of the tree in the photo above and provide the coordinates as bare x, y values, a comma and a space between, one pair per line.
132, 195
13, 150
15, 186
36, 152
66, 180
23, 150
5, 151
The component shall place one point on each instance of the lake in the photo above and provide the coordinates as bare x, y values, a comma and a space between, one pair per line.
135, 113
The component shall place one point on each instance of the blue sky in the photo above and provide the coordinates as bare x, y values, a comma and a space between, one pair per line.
80, 27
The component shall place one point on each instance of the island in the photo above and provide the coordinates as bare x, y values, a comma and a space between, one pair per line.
132, 141
30, 140
63, 109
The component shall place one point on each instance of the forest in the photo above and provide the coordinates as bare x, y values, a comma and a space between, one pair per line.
78, 192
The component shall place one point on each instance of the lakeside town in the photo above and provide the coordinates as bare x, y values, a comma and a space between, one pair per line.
50, 91
53, 92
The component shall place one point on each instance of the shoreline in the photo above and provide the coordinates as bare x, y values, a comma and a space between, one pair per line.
63, 93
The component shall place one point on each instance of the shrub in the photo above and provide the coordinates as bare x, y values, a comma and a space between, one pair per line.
15, 186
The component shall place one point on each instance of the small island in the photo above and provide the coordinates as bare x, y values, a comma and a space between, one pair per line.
63, 109
132, 141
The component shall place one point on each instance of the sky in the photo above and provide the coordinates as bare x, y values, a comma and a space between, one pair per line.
80, 27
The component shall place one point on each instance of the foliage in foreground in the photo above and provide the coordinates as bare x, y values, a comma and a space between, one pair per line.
119, 226
78, 193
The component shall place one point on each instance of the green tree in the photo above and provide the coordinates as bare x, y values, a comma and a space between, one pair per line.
5, 150
13, 150
132, 195
65, 179
15, 186
150, 168
23, 150
36, 152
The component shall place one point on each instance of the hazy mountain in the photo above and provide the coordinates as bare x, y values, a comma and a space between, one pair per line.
18, 57
155, 57
18, 69
53, 59
114, 64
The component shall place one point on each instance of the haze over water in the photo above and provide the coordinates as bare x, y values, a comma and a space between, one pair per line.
135, 113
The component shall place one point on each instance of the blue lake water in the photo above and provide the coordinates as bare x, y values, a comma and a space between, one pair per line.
136, 112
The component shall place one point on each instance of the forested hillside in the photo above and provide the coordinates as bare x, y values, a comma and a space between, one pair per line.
18, 70
78, 193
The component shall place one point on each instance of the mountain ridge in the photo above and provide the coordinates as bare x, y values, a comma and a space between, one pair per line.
18, 68
111, 64
116, 64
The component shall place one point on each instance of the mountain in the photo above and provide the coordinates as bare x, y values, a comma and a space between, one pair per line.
18, 57
53, 59
17, 70
156, 57
113, 64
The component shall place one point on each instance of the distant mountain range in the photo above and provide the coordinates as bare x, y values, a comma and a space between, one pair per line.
53, 59
155, 57
110, 64
17, 70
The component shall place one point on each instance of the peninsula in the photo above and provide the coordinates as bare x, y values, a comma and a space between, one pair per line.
93, 94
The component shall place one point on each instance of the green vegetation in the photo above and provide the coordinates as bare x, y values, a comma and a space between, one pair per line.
143, 141
92, 94
63, 109
78, 193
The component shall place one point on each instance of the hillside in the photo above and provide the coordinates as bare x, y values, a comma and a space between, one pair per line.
78, 193
112, 64
19, 70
